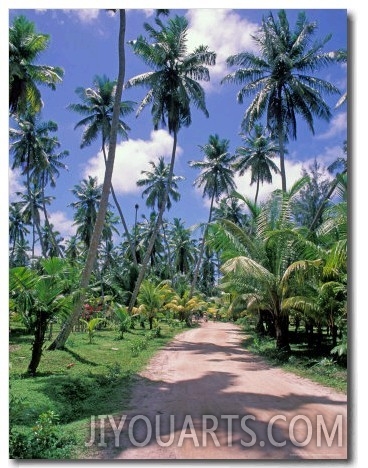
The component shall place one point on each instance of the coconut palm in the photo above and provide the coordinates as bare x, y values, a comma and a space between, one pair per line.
216, 178
259, 267
183, 247
34, 152
279, 77
155, 182
18, 230
96, 105
172, 88
31, 204
25, 46
151, 299
88, 194
60, 340
229, 208
41, 296
255, 155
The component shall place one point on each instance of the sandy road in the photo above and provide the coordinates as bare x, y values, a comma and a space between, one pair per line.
206, 397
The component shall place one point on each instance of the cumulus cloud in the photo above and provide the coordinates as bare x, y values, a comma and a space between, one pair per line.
87, 15
14, 183
62, 223
337, 126
131, 158
224, 31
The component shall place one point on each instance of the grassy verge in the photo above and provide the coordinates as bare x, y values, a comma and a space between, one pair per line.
83, 380
316, 364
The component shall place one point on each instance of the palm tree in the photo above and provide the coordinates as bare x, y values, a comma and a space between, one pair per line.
17, 227
60, 340
280, 80
97, 105
258, 268
25, 46
151, 299
31, 204
33, 150
156, 181
41, 296
216, 177
256, 155
229, 208
183, 247
172, 88
88, 194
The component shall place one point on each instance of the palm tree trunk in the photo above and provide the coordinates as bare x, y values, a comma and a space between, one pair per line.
60, 340
39, 339
122, 218
47, 223
280, 131
151, 243
196, 271
257, 191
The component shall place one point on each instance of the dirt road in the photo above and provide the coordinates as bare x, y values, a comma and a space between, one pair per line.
206, 397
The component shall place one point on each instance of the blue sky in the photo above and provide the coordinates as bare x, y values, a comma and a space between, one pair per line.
83, 43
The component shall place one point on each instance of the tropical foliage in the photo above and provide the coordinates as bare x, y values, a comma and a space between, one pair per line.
281, 259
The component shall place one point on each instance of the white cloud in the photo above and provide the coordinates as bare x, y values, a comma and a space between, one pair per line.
62, 223
14, 183
338, 125
87, 15
131, 158
224, 31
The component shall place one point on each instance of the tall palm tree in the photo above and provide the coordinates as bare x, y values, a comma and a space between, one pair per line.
216, 178
25, 46
229, 208
97, 103
256, 154
17, 227
172, 88
156, 180
32, 203
34, 152
88, 194
60, 340
183, 247
279, 77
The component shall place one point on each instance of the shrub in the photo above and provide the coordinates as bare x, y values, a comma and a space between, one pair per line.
44, 441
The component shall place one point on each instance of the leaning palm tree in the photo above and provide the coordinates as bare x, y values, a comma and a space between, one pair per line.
25, 46
60, 340
280, 79
256, 154
96, 105
172, 88
216, 178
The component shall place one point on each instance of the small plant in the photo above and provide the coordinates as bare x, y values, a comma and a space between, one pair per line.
138, 345
91, 326
124, 319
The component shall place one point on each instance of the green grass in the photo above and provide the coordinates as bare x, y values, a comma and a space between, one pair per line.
316, 364
83, 380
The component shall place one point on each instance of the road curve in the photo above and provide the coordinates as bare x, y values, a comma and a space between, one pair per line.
205, 397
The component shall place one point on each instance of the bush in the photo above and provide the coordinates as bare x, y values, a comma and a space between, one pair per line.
44, 441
